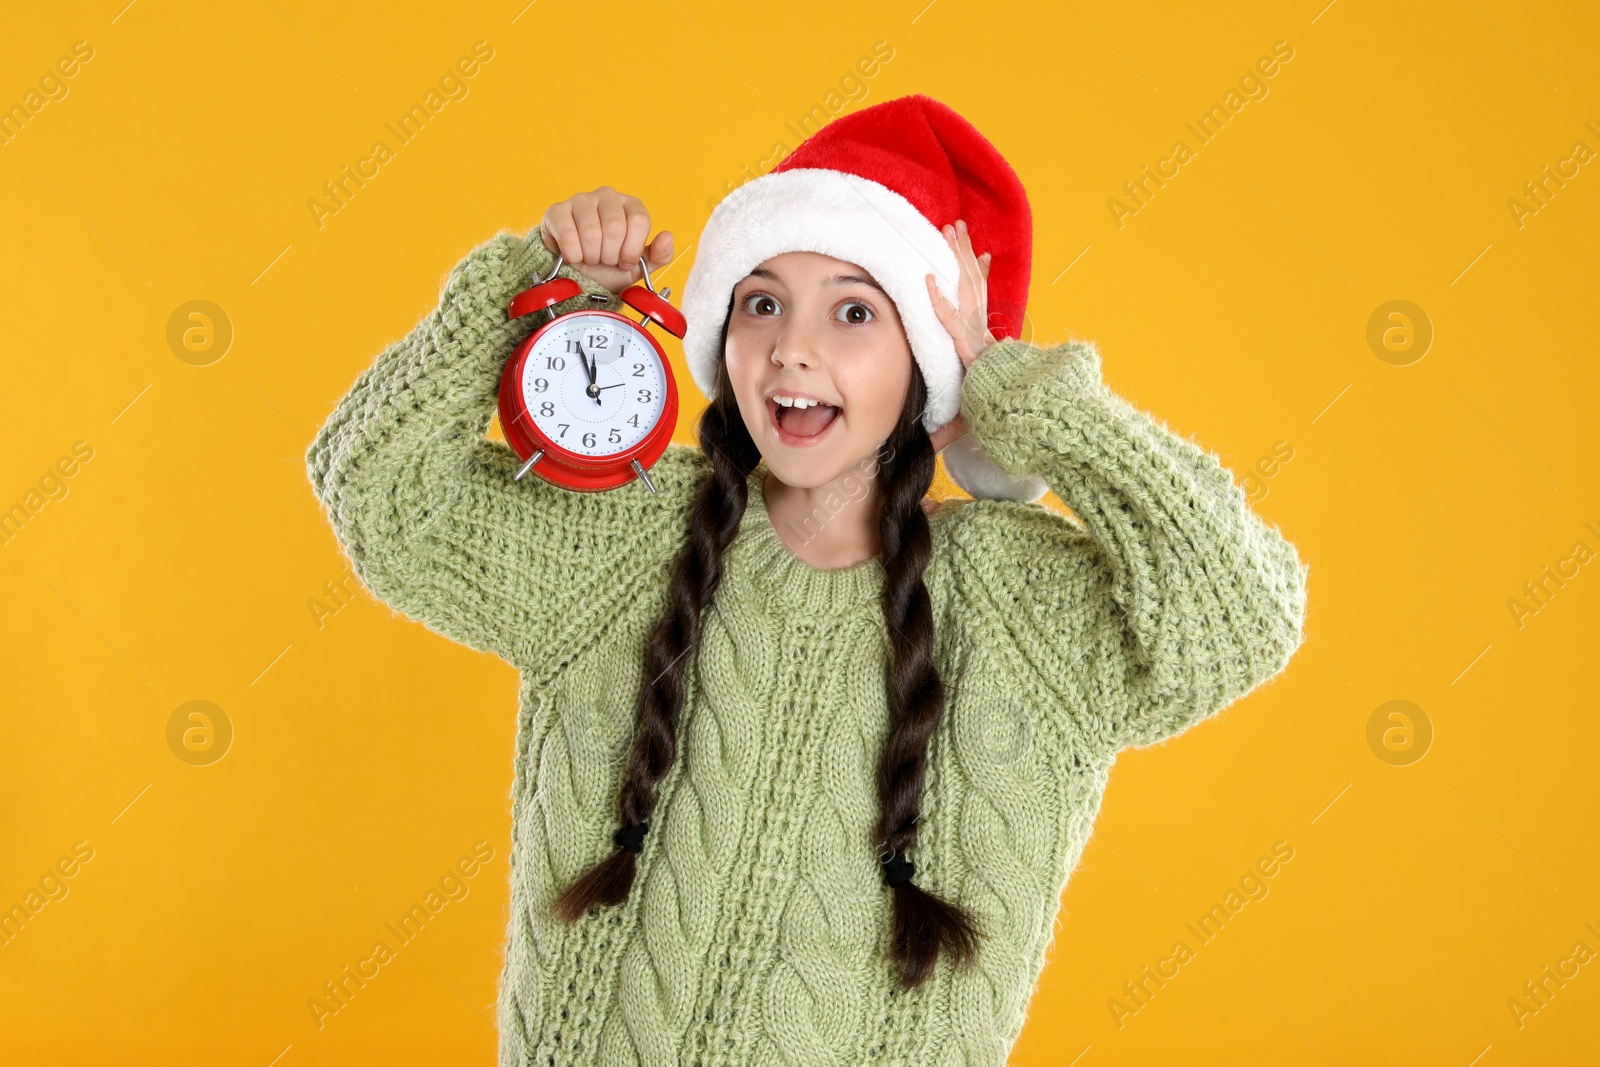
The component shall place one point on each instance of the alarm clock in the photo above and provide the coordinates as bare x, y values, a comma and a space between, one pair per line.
588, 400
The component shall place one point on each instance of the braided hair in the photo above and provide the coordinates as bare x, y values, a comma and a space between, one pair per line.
923, 924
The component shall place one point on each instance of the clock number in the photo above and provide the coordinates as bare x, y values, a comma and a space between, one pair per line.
599, 340
540, 384
547, 408
588, 440
554, 363
638, 370
564, 427
644, 396
634, 422
616, 436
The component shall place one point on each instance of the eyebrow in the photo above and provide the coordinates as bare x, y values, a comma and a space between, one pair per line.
837, 279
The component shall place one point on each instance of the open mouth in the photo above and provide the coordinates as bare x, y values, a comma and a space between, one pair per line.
799, 427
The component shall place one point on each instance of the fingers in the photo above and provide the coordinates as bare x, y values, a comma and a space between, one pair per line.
963, 247
661, 248
952, 238
965, 322
605, 228
638, 232
560, 226
948, 314
586, 217
941, 303
974, 284
950, 318
613, 226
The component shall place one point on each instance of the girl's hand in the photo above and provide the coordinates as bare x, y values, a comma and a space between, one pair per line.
603, 234
969, 324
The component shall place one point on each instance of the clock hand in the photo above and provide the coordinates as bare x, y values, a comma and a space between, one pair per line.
586, 368
614, 385
590, 371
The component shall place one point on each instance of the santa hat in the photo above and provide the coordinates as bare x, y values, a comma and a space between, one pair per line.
874, 188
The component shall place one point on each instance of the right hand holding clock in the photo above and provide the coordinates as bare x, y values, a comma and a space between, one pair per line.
603, 233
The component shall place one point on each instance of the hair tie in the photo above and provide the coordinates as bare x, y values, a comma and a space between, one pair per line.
897, 870
631, 837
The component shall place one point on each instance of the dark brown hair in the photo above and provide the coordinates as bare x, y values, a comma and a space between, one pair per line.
924, 924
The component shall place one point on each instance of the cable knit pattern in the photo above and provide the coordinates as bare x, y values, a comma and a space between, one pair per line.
757, 929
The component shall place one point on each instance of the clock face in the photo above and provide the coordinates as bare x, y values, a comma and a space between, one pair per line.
594, 384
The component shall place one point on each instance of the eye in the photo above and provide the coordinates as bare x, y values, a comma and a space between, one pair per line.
858, 320
763, 300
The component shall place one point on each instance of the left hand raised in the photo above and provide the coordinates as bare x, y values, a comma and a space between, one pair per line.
968, 324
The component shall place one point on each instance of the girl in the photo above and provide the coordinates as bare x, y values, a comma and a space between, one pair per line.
803, 762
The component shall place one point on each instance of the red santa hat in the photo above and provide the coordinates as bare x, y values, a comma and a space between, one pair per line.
874, 188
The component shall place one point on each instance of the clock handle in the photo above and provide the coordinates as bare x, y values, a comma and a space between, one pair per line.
644, 268
550, 311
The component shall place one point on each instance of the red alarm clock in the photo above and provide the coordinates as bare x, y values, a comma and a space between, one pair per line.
588, 399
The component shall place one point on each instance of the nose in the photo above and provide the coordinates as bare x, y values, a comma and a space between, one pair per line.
795, 346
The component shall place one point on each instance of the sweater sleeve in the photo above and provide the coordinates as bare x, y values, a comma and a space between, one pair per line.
1172, 599
430, 511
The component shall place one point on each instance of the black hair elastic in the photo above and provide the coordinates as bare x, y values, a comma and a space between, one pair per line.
631, 837
897, 870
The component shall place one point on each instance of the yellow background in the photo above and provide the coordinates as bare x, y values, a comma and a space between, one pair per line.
369, 754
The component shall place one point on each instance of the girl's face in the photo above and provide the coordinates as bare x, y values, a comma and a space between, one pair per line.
808, 326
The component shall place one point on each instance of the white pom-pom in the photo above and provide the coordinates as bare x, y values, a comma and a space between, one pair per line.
982, 479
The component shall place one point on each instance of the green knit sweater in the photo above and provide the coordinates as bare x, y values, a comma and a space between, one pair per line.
757, 928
